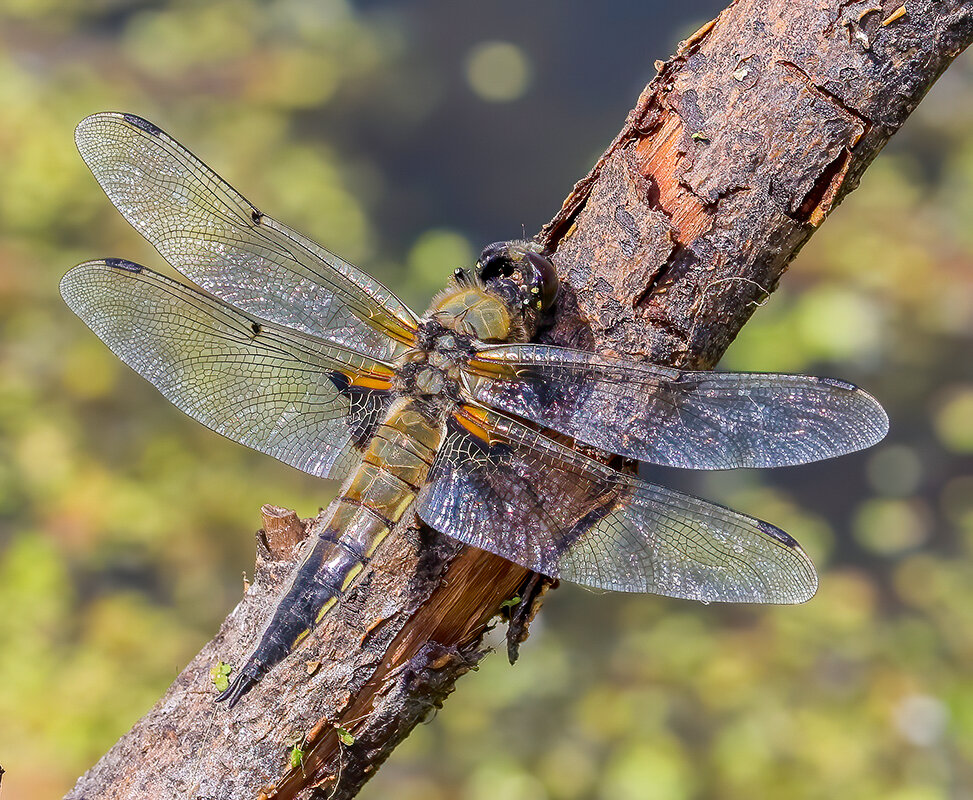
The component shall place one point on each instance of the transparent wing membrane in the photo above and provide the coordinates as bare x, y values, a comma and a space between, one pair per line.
528, 498
278, 391
294, 352
698, 420
220, 241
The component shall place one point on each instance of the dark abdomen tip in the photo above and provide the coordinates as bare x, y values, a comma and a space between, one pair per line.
242, 684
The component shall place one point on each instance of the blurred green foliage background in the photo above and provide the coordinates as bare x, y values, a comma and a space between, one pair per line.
406, 136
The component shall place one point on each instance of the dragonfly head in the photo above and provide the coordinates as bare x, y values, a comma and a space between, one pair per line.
524, 265
522, 276
504, 298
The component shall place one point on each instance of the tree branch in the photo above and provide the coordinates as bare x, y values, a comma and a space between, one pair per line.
741, 146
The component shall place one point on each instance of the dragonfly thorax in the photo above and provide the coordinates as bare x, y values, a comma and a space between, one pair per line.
474, 311
435, 389
433, 368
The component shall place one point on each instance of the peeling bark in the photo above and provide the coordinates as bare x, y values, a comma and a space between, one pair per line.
743, 144
734, 154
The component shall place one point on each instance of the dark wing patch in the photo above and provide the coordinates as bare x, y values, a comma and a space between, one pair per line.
544, 506
697, 420
216, 238
278, 391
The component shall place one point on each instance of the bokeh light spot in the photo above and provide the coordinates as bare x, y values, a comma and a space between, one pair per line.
953, 419
434, 255
894, 470
838, 324
957, 501
640, 771
501, 778
888, 526
921, 719
498, 71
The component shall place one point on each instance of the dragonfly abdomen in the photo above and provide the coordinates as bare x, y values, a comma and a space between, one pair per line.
375, 498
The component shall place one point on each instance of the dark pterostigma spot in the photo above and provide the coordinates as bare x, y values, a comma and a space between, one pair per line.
121, 263
776, 533
837, 384
143, 124
257, 328
256, 216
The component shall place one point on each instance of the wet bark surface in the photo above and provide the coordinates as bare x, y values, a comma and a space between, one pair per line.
732, 157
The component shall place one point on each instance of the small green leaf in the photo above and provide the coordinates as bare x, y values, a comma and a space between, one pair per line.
511, 602
343, 736
699, 136
296, 757
220, 675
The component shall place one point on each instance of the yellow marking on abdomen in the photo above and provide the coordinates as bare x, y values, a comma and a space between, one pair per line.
376, 541
352, 574
324, 610
376, 496
300, 638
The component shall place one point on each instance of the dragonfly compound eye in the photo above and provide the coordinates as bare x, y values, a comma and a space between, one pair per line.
533, 274
541, 279
495, 262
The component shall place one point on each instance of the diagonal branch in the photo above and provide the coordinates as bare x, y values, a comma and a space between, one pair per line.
734, 154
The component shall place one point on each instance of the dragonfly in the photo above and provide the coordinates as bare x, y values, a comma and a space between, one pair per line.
454, 416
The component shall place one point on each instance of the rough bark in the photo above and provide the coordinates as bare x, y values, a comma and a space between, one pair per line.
741, 146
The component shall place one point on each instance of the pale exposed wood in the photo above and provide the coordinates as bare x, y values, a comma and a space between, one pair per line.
282, 531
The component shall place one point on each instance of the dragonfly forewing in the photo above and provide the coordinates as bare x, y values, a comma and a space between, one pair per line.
696, 420
294, 352
223, 243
